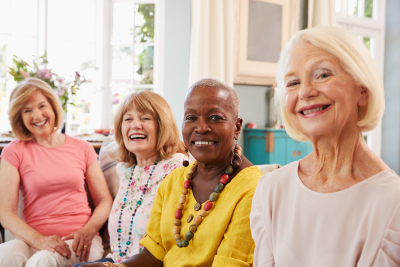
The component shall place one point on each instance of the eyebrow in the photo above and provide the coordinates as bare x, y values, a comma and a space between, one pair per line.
211, 110
313, 62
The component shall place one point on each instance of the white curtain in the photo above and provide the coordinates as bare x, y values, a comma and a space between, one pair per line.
212, 40
321, 13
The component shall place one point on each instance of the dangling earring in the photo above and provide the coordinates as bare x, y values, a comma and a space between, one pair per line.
185, 162
237, 156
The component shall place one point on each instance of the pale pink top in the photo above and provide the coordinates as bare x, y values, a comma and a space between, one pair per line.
295, 226
52, 183
139, 178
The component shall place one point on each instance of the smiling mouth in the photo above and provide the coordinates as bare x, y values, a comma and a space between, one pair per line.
203, 143
40, 123
137, 137
312, 110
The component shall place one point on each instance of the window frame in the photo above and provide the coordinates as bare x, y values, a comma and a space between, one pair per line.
372, 27
158, 58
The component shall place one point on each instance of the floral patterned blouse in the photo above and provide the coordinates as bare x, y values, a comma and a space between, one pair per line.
140, 176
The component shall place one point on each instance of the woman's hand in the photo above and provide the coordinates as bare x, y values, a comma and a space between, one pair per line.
82, 242
54, 243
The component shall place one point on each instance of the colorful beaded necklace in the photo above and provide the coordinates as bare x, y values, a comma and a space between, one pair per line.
207, 206
138, 203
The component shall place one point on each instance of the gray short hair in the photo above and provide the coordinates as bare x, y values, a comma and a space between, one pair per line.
214, 83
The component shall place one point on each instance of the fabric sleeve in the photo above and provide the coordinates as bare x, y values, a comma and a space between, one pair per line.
237, 246
11, 153
153, 241
90, 153
263, 256
389, 250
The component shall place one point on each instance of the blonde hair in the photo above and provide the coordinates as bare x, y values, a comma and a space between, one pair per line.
168, 141
20, 95
355, 59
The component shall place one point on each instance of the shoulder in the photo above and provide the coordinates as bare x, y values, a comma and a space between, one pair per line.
279, 177
76, 141
14, 147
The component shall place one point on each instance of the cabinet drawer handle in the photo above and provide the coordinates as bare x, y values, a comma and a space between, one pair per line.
299, 153
269, 142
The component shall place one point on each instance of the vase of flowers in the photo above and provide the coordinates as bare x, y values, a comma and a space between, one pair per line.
65, 89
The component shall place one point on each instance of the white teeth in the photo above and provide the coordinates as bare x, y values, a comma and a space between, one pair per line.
40, 123
308, 111
203, 143
137, 136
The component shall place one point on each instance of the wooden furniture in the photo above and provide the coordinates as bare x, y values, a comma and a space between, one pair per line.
273, 146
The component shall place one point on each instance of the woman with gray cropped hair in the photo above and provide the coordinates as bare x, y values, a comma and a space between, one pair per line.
340, 205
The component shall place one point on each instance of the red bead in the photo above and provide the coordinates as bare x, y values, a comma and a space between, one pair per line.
208, 205
224, 179
178, 214
187, 184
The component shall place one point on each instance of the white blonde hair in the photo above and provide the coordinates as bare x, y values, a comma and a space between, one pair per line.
354, 58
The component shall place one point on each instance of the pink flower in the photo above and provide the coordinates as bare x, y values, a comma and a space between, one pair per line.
61, 92
23, 73
165, 167
77, 74
146, 169
48, 75
133, 185
61, 81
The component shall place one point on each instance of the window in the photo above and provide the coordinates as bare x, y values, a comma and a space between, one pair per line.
134, 50
366, 19
114, 44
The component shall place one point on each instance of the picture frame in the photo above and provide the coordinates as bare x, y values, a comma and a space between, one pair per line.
262, 28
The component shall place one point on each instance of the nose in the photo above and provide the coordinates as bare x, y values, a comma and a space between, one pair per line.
36, 113
307, 90
136, 124
202, 126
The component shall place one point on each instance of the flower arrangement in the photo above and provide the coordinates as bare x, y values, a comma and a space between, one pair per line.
66, 90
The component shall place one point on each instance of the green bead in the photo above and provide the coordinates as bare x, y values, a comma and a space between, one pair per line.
219, 187
179, 243
229, 170
139, 202
128, 243
185, 243
189, 235
214, 196
119, 230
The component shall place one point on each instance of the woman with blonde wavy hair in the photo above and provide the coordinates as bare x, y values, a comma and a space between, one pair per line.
149, 148
340, 205
50, 169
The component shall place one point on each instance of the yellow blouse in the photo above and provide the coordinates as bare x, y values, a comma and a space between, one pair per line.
224, 236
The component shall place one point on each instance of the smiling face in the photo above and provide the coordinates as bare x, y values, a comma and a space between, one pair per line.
209, 127
38, 115
321, 98
139, 131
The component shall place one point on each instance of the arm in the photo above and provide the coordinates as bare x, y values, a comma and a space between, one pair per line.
9, 180
262, 253
102, 200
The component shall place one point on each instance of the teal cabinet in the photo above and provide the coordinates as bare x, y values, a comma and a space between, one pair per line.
273, 146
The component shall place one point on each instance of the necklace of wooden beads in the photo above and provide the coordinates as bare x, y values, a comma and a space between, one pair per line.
207, 206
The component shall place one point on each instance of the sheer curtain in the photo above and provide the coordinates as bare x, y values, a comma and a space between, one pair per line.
321, 13
212, 40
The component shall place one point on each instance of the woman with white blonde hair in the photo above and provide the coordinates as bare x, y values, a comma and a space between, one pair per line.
58, 227
340, 205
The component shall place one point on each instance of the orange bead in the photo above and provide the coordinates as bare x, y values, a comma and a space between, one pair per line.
180, 206
182, 199
176, 230
197, 220
203, 213
177, 222
185, 191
